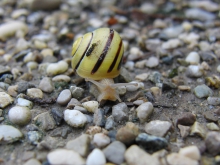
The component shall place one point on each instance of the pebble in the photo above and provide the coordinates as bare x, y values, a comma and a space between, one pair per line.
32, 65
64, 156
35, 93
210, 116
148, 8
134, 155
80, 108
12, 90
128, 133
19, 12
184, 130
129, 65
212, 127
77, 92
34, 137
96, 157
23, 86
171, 44
46, 85
142, 77
109, 124
114, 152
12, 28
5, 99
100, 140
194, 71
187, 26
72, 103
32, 161
57, 115
204, 46
75, 118
19, 115
40, 44
203, 91
144, 111
64, 78
133, 88
47, 52
152, 62
79, 145
191, 152
135, 53
91, 106
159, 23
21, 44
199, 14
150, 142
9, 134
158, 127
57, 68
186, 119
120, 112
213, 100
184, 88
175, 158
197, 129
96, 23
193, 58
64, 97
218, 68
45, 121
172, 32
212, 142
99, 118
208, 56
206, 5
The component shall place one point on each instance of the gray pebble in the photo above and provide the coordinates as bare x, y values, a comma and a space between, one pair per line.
184, 130
210, 116
72, 103
46, 85
77, 92
45, 121
152, 62
172, 32
34, 137
199, 14
64, 97
96, 157
9, 134
203, 91
57, 115
109, 123
212, 142
99, 118
120, 112
213, 100
208, 56
100, 140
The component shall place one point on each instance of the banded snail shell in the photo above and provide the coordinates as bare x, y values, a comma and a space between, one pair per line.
98, 54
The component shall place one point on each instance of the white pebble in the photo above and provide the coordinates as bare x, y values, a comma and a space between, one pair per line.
47, 52
75, 118
132, 88
5, 99
195, 71
35, 93
144, 111
135, 53
57, 68
171, 44
191, 152
129, 65
193, 58
24, 103
64, 97
29, 57
142, 77
91, 106
218, 69
32, 65
19, 115
9, 133
64, 78
100, 140
152, 62
96, 157
96, 23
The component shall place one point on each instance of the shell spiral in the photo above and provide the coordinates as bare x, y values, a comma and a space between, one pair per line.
98, 54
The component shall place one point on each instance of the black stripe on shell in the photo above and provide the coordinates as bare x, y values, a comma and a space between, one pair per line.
89, 52
104, 52
84, 53
116, 57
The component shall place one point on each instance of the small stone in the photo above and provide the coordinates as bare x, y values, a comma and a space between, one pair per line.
32, 65
184, 130
204, 46
5, 99
208, 56
73, 102
40, 44
144, 111
100, 140
186, 119
150, 142
32, 161
12, 90
218, 68
114, 152
99, 118
46, 85
142, 77
157, 127
109, 124
92, 130
64, 156
171, 32
206, 5
77, 92
194, 71
64, 97
197, 129
57, 68
81, 109
45, 121
64, 78
212, 142
75, 118
9, 134
35, 93
191, 152
21, 44
120, 112
213, 100
128, 133
174, 159
132, 88
203, 91
95, 22
148, 8
184, 88
57, 115
212, 127
199, 14
210, 116
171, 44
193, 58
134, 155
19, 115
79, 145
28, 155
47, 52
135, 53
96, 157
91, 106
34, 137
152, 62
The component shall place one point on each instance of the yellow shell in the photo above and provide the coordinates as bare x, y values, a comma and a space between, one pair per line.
98, 54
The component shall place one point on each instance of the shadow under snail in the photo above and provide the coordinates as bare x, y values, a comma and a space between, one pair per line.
97, 57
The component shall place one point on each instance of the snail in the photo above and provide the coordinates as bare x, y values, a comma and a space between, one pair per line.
97, 57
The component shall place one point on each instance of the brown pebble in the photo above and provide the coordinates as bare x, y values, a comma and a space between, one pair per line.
210, 116
186, 119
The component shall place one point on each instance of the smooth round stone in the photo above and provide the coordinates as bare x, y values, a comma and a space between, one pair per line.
77, 92
187, 26
203, 91
9, 133
148, 8
212, 127
32, 65
19, 115
35, 93
32, 161
144, 111
47, 52
159, 23
193, 58
96, 157
172, 32
142, 77
194, 71
64, 156
186, 119
96, 23
19, 12
199, 14
101, 140
57, 68
5, 99
135, 53
46, 85
64, 78
75, 118
174, 159
40, 44
204, 46
152, 62
206, 5
120, 112
171, 44
158, 128
91, 106
64, 97
129, 65
24, 103
191, 152
218, 69
212, 142
29, 57
189, 38
213, 100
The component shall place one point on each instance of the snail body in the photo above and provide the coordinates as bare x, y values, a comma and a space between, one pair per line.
97, 57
